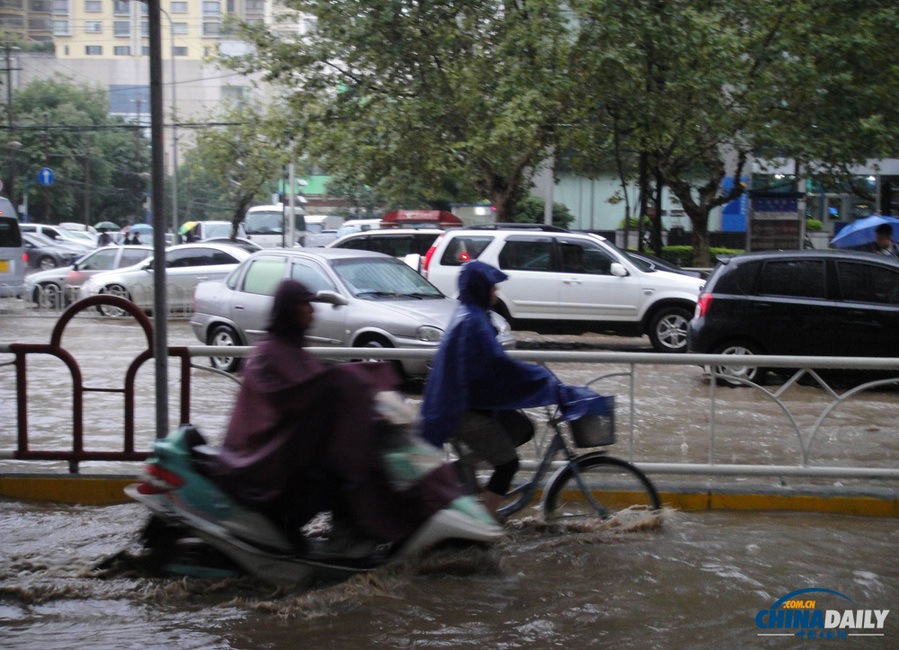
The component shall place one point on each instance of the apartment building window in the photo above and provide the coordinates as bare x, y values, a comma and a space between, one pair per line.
255, 6
121, 27
212, 8
93, 6
211, 29
14, 4
93, 27
60, 6
41, 6
39, 24
145, 28
12, 20
145, 50
179, 51
93, 50
61, 28
179, 28
121, 7
122, 50
179, 7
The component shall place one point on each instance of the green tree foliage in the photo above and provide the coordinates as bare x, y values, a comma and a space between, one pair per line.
531, 210
236, 166
67, 127
699, 86
421, 94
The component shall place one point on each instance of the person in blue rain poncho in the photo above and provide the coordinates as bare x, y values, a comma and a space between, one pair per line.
474, 387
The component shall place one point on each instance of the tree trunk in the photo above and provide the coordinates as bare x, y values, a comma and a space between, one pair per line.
699, 220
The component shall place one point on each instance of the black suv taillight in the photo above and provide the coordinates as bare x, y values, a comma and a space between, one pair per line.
702, 306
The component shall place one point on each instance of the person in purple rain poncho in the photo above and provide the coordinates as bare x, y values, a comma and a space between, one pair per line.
303, 438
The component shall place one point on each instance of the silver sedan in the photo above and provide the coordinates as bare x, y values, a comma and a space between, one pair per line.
365, 299
185, 267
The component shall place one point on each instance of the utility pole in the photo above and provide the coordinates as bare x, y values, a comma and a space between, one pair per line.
12, 120
87, 184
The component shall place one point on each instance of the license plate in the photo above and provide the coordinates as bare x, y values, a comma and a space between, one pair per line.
4, 266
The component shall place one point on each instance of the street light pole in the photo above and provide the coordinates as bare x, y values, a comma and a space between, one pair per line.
175, 220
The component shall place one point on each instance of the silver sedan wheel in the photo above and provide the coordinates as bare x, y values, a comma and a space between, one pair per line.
224, 336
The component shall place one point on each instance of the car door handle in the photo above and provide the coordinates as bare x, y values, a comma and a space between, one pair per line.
202, 278
571, 281
239, 307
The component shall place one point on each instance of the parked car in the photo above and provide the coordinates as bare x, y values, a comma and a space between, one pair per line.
206, 230
12, 252
804, 303
567, 282
407, 244
60, 234
44, 253
58, 287
186, 266
652, 263
366, 300
246, 244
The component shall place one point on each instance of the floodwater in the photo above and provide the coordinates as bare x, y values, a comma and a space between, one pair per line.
697, 580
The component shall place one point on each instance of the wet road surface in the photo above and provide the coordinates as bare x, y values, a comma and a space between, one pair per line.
696, 581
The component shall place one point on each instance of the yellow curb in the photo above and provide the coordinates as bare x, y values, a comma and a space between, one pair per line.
81, 490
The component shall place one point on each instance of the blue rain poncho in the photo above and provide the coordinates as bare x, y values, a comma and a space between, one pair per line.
472, 371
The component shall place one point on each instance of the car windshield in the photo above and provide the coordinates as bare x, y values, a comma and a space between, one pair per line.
40, 240
641, 264
371, 278
262, 223
218, 230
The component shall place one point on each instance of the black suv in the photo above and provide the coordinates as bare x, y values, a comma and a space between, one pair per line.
806, 303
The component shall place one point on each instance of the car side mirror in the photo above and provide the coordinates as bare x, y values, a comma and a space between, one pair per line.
148, 266
617, 269
330, 297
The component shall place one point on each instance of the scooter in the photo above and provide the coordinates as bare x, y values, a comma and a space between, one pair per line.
187, 507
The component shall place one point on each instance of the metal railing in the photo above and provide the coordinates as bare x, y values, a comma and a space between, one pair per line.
627, 365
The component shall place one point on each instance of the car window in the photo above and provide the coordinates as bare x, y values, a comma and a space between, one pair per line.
311, 276
198, 257
373, 279
264, 274
795, 278
737, 279
868, 283
100, 261
131, 256
9, 234
463, 249
526, 255
583, 257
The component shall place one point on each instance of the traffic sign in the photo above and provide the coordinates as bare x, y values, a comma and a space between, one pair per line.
45, 177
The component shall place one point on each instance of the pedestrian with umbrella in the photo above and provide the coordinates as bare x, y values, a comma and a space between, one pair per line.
862, 234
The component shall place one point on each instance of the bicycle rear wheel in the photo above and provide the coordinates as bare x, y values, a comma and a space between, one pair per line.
610, 485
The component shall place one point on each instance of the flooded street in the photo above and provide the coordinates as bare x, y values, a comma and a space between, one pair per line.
697, 581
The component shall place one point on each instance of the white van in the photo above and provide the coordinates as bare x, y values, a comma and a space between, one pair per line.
12, 253
321, 229
265, 225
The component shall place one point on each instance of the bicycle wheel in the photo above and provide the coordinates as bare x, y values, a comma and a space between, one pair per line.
612, 485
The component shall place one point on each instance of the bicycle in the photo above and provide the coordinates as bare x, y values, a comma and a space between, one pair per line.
591, 484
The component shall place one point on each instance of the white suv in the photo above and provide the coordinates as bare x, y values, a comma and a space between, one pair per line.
567, 282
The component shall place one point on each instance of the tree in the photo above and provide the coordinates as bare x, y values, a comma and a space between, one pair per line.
241, 159
701, 86
424, 92
98, 160
531, 209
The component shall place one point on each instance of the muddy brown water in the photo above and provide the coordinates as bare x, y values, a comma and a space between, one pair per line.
697, 580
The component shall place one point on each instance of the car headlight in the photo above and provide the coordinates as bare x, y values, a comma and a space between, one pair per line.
429, 333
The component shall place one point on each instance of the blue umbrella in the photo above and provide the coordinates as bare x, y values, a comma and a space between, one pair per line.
861, 232
144, 228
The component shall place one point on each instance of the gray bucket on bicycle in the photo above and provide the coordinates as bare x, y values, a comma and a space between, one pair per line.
596, 428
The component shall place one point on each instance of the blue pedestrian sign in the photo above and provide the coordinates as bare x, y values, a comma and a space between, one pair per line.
45, 177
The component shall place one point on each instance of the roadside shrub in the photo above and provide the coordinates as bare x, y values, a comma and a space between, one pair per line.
813, 225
